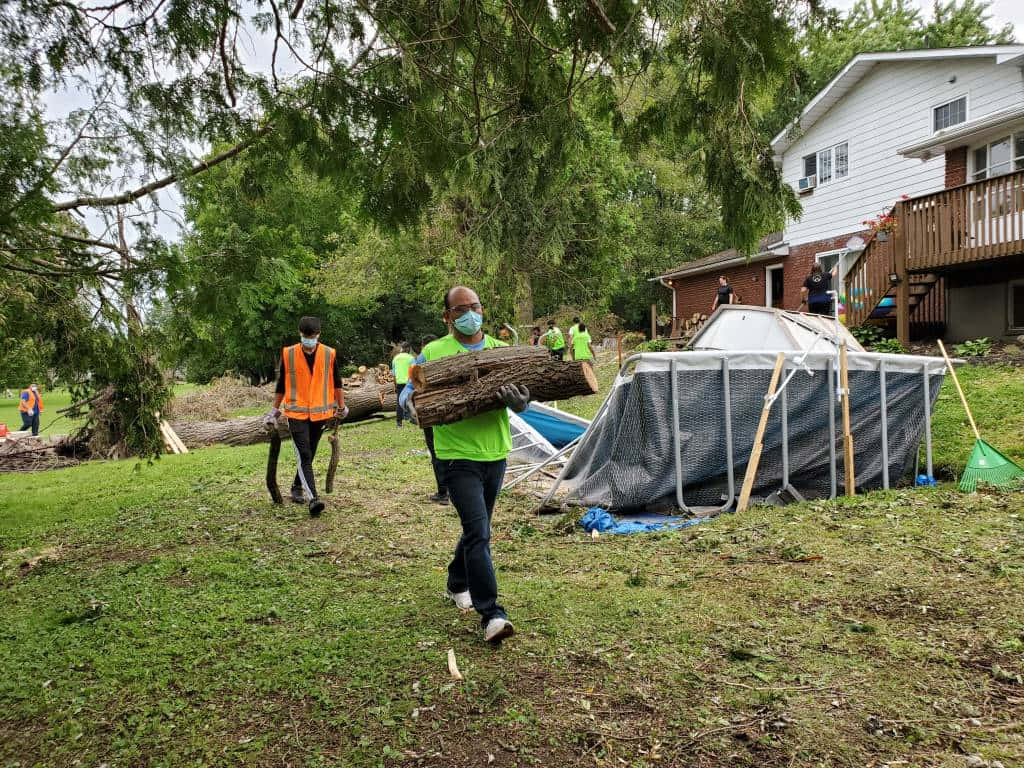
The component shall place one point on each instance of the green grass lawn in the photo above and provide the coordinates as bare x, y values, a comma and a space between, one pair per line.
50, 422
168, 615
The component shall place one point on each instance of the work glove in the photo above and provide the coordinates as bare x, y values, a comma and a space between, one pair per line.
341, 413
270, 420
515, 396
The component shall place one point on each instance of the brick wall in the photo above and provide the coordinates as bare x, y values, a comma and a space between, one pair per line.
956, 167
697, 293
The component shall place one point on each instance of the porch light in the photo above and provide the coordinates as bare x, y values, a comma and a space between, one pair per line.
894, 278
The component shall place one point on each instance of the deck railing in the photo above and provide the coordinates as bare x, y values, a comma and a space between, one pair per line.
976, 221
867, 281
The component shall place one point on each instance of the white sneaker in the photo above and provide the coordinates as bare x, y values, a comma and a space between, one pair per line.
498, 629
462, 600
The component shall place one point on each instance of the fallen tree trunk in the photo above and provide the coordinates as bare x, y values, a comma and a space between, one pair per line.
363, 403
471, 365
471, 393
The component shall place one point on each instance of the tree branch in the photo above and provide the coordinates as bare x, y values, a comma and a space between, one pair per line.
133, 195
602, 17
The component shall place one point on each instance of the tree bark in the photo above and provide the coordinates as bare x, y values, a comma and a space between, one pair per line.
362, 403
546, 378
472, 365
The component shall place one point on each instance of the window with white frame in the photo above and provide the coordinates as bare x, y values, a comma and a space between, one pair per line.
1004, 155
949, 114
1015, 306
829, 164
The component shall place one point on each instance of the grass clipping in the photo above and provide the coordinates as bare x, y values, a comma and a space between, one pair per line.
218, 401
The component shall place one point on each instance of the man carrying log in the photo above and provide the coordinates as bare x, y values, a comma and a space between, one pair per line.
474, 451
309, 388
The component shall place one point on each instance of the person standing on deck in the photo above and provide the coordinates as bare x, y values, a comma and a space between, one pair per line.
400, 368
581, 348
309, 389
474, 451
30, 405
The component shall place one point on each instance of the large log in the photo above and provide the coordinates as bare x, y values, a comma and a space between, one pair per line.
546, 378
362, 404
471, 365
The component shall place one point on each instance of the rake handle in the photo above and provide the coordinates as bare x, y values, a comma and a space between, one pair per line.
963, 398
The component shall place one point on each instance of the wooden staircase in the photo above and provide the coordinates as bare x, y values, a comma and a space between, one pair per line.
871, 295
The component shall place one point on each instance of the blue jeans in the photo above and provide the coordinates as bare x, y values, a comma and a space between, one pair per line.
473, 487
30, 421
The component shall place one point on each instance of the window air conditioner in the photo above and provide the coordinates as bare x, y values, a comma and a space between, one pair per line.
807, 183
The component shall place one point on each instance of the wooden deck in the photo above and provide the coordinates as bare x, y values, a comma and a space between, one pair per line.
975, 222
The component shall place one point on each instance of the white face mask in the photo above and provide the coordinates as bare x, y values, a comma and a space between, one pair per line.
309, 344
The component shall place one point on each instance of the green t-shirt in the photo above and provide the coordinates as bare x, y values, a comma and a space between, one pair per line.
484, 437
400, 365
580, 348
554, 339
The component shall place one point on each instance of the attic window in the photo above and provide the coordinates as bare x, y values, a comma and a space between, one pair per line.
949, 114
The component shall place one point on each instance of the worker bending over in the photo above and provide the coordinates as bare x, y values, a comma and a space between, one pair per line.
474, 452
309, 393
30, 405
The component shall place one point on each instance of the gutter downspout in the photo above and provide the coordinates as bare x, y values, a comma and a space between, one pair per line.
671, 288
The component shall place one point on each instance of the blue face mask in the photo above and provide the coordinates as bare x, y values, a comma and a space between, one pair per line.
309, 344
469, 323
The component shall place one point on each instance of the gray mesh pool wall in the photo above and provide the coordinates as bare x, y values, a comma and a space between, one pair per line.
627, 459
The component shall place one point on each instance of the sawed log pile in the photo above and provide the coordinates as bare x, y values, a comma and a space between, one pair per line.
457, 387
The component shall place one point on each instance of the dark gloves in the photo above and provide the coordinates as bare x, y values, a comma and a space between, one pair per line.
515, 397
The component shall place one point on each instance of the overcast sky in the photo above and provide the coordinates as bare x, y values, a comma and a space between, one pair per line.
1002, 11
255, 53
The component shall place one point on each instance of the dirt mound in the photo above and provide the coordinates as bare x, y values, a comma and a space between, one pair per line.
218, 400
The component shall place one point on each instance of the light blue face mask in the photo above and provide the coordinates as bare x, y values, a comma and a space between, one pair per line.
309, 344
469, 323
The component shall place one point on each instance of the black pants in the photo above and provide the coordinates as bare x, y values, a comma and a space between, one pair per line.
30, 421
820, 308
399, 411
438, 465
474, 486
305, 436
559, 353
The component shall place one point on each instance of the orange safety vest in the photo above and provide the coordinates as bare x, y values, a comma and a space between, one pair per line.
28, 405
308, 395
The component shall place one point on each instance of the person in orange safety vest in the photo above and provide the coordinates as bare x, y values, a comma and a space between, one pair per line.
309, 393
30, 406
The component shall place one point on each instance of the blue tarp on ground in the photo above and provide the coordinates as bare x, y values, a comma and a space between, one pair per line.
598, 519
557, 432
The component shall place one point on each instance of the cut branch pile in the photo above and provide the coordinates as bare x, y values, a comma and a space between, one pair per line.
457, 387
31, 454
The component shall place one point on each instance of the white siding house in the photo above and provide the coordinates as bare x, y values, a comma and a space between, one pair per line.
881, 104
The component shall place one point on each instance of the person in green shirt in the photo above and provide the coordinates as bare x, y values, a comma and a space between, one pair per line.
554, 340
581, 347
400, 367
474, 451
572, 330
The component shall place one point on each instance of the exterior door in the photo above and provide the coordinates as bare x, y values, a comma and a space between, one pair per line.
774, 286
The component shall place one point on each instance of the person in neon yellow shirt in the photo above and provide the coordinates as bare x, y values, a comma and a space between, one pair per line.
554, 340
400, 367
581, 347
474, 451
